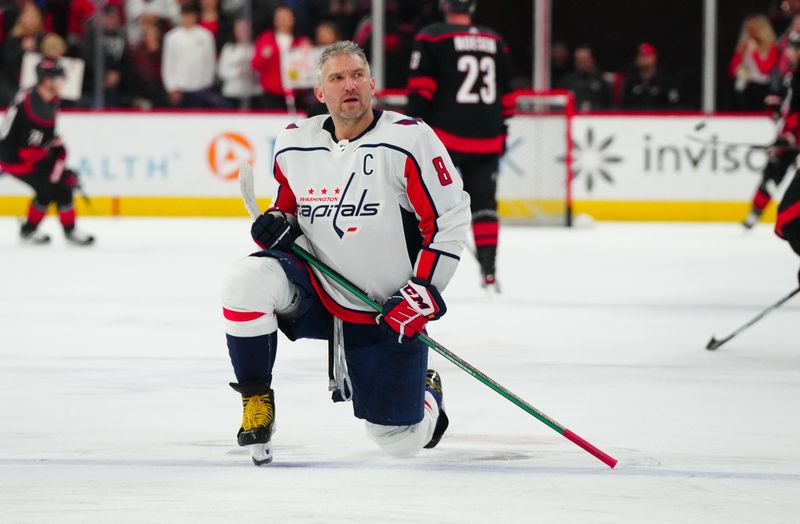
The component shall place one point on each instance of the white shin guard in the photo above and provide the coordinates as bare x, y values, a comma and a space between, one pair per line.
406, 441
255, 290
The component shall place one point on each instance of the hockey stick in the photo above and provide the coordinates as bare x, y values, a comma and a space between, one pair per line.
247, 186
708, 142
714, 343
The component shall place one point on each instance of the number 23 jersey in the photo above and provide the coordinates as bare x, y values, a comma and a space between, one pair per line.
379, 209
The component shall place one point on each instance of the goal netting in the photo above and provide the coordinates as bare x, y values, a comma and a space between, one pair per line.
535, 179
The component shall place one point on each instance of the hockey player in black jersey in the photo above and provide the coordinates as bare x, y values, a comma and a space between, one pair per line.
784, 104
31, 151
459, 84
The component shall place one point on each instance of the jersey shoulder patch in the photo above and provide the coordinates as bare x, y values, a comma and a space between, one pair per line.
407, 122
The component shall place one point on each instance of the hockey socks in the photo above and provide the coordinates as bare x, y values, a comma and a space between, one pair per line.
253, 357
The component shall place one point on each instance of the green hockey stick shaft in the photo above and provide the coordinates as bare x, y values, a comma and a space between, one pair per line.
458, 361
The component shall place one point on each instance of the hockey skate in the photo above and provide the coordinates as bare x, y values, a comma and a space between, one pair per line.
29, 235
79, 238
490, 284
751, 219
258, 420
433, 384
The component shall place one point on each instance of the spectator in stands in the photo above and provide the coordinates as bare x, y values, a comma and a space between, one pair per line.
239, 83
752, 64
25, 37
139, 13
398, 42
560, 63
792, 34
591, 90
346, 14
114, 45
53, 46
645, 88
54, 15
780, 17
209, 16
145, 88
78, 21
325, 34
212, 19
189, 62
270, 58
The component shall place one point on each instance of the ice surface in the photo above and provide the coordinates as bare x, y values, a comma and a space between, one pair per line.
114, 404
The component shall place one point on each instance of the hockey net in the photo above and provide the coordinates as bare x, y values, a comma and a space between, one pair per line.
534, 183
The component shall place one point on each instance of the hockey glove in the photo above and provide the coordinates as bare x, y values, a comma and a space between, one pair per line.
408, 310
70, 178
272, 230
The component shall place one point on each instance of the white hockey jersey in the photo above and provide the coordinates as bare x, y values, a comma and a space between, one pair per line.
379, 209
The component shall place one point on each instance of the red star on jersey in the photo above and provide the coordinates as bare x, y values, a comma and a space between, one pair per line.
324, 191
336, 191
311, 191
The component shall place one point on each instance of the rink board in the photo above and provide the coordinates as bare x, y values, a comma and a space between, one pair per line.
625, 167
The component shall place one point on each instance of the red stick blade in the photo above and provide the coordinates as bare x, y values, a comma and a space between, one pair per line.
607, 459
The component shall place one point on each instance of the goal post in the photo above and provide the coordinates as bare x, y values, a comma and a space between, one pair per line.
534, 184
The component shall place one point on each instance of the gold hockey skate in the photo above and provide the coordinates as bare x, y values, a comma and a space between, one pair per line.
258, 420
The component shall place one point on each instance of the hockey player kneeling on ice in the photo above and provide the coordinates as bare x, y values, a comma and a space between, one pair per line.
31, 151
375, 196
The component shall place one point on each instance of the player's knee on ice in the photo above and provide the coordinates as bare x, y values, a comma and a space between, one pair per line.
256, 284
405, 441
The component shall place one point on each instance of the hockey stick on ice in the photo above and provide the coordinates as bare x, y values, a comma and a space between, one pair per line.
246, 184
714, 343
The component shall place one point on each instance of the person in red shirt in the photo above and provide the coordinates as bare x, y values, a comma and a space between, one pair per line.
269, 59
752, 63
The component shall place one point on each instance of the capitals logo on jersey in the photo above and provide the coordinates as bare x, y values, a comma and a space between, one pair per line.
335, 204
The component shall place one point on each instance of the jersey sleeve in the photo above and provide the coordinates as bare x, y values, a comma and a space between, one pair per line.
422, 83
507, 97
436, 193
285, 200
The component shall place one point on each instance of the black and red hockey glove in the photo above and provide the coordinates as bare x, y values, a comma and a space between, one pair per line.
408, 310
272, 230
70, 178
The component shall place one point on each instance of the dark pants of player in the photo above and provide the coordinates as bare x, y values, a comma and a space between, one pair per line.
774, 172
388, 378
479, 174
48, 192
787, 225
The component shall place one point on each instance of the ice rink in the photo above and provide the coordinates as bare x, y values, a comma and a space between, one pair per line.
115, 408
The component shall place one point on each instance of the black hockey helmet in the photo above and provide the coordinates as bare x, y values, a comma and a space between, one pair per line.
458, 6
48, 68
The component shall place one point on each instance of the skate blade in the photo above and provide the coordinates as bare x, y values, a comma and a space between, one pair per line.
82, 242
40, 240
261, 453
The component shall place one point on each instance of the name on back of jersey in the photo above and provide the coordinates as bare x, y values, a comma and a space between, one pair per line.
475, 43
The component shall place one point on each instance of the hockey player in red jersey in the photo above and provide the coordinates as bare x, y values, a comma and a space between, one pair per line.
460, 84
375, 196
31, 151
